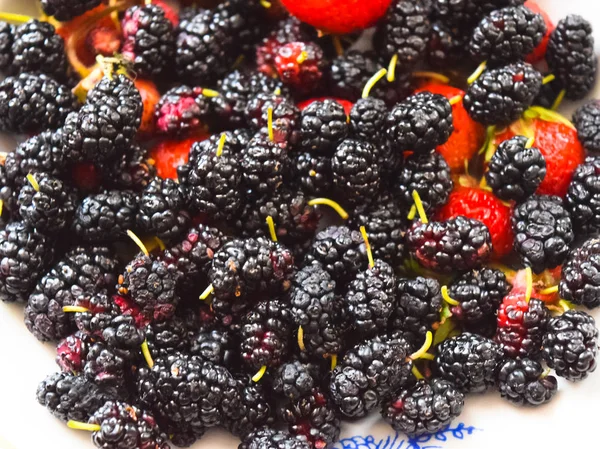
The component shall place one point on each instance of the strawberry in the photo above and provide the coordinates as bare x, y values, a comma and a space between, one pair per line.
338, 16
150, 96
345, 103
468, 135
540, 51
560, 147
482, 205
170, 154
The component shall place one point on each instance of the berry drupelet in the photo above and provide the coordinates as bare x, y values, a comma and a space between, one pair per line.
25, 255
181, 110
356, 170
46, 203
386, 223
217, 346
285, 115
162, 209
314, 417
543, 232
469, 361
323, 125
479, 294
429, 175
70, 397
404, 32
32, 103
368, 374
583, 196
587, 121
7, 32
106, 124
148, 39
500, 96
256, 410
425, 408
571, 345
521, 325
267, 438
419, 123
367, 119
418, 305
130, 171
123, 425
571, 57
507, 35
370, 299
516, 170
168, 337
311, 172
105, 216
523, 382
82, 269
151, 284
340, 251
457, 244
36, 48
579, 276
295, 380
212, 183
300, 65
71, 352
101, 309
65, 10
468, 12
107, 367
447, 46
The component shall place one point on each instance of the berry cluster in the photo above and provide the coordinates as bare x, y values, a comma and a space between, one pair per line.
239, 222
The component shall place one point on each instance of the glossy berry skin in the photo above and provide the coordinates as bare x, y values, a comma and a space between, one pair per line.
300, 65
356, 170
267, 438
338, 16
571, 345
323, 125
522, 382
579, 275
482, 205
521, 325
587, 122
425, 408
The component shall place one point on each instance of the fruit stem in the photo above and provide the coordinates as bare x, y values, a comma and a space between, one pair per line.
477, 73
33, 182
432, 75
75, 309
548, 78
565, 305
210, 93
15, 18
372, 81
222, 141
455, 100
327, 202
529, 287
337, 44
391, 74
270, 123
549, 290
420, 208
147, 355
412, 212
365, 237
259, 375
415, 371
160, 243
447, 298
1, 207
301, 339
303, 56
423, 349
77, 425
427, 356
207, 292
265, 4
271, 226
138, 242
530, 142
546, 373
277, 91
333, 361
559, 100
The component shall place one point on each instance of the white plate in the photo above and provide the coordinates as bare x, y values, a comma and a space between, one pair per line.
569, 421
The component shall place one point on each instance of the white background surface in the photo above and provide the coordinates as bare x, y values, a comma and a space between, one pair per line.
571, 420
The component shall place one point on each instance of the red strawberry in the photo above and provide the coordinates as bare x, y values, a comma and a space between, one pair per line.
468, 135
170, 154
482, 205
345, 103
559, 145
540, 51
338, 16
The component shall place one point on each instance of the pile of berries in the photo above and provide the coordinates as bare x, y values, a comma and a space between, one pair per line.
222, 217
